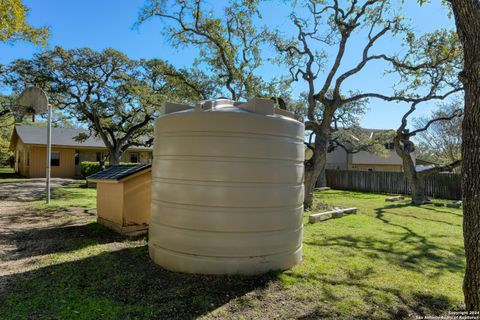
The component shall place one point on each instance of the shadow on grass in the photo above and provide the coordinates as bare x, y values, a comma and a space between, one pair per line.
406, 248
380, 213
421, 248
439, 210
419, 304
416, 253
10, 175
61, 238
403, 304
399, 245
122, 284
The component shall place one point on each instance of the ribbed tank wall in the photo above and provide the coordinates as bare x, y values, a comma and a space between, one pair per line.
227, 192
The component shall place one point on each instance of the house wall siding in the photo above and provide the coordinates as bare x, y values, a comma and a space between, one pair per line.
30, 160
364, 157
144, 156
337, 159
66, 169
22, 158
89, 155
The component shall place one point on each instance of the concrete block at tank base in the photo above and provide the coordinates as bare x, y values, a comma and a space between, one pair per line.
455, 205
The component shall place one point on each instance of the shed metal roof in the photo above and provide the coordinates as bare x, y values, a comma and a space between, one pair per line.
119, 172
60, 137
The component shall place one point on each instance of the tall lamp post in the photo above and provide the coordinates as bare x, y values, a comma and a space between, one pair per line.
31, 101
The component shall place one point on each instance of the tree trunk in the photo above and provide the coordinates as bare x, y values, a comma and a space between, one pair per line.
322, 178
467, 13
415, 180
114, 157
417, 187
315, 167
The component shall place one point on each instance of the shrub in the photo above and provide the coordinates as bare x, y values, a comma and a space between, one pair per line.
88, 168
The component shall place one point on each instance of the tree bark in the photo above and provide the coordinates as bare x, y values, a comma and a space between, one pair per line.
416, 181
417, 187
114, 157
322, 178
467, 13
316, 166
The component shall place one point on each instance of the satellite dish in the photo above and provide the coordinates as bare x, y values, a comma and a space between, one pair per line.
32, 100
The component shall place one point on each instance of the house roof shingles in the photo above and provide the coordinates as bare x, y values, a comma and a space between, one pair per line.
60, 137
119, 172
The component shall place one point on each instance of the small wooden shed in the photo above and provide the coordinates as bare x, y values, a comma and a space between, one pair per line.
123, 197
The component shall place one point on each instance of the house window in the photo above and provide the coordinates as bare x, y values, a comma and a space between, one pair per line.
28, 158
134, 157
389, 146
55, 159
77, 157
99, 156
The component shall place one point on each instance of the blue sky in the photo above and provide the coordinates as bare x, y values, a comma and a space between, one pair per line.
100, 24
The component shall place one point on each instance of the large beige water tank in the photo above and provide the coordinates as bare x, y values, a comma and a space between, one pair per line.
227, 188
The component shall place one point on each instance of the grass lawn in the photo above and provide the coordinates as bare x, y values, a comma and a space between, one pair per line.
388, 261
6, 170
76, 195
8, 174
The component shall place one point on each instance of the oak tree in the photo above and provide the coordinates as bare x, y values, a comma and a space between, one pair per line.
430, 66
228, 40
467, 13
115, 97
405, 149
338, 24
306, 63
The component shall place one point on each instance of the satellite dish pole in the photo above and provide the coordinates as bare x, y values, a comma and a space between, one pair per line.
34, 100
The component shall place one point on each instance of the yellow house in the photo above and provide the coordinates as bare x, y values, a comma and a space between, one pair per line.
29, 146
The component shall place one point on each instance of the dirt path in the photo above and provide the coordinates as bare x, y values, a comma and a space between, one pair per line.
29, 189
26, 235
20, 247
64, 249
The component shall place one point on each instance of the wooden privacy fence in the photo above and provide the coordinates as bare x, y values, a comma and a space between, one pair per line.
444, 185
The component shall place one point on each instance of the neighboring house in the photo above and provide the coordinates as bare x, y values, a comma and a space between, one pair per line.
340, 159
422, 165
29, 144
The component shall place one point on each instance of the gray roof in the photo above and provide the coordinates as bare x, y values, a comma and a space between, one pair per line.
119, 172
60, 137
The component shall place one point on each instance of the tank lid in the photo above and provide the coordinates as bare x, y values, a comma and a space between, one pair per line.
254, 105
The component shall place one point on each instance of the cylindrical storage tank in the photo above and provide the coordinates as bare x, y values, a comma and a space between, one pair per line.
227, 188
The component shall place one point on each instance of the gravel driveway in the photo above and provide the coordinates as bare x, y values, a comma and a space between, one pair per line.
29, 189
